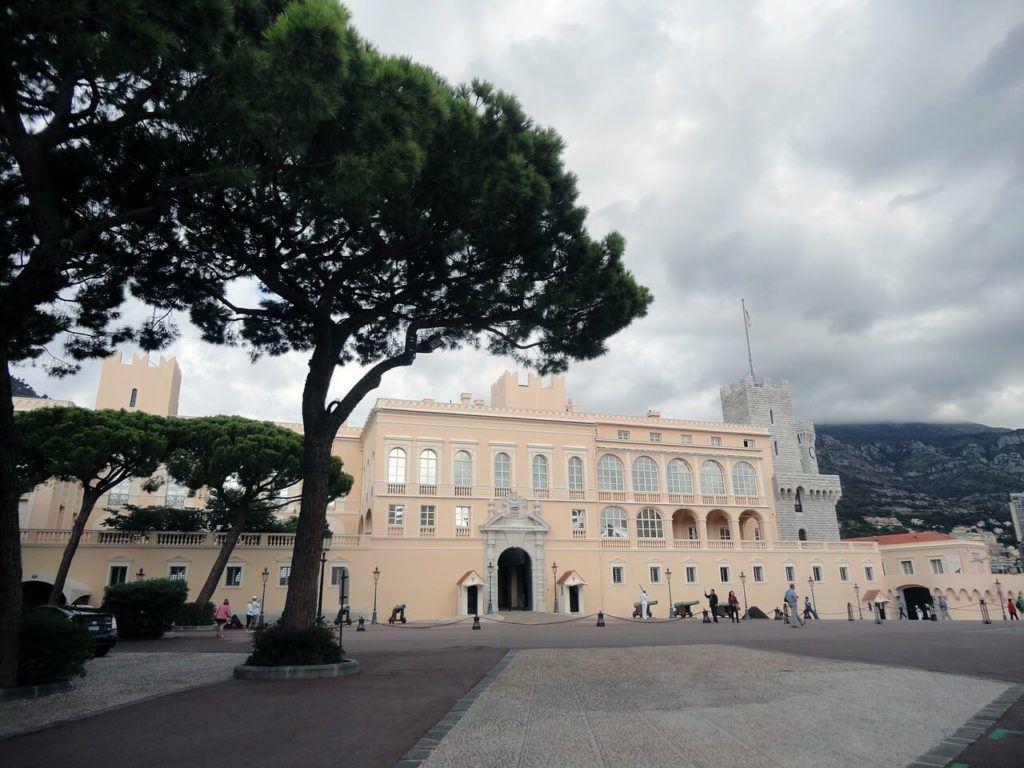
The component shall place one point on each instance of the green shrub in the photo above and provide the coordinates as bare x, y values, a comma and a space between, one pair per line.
276, 646
145, 609
52, 648
195, 615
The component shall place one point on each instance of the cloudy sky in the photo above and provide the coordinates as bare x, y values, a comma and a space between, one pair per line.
854, 170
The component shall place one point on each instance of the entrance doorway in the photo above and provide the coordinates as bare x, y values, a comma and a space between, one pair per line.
514, 580
574, 599
916, 597
472, 607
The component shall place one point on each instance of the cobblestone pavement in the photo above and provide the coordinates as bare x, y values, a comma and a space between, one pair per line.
114, 681
706, 706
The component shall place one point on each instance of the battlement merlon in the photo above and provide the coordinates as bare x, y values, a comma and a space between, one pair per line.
764, 382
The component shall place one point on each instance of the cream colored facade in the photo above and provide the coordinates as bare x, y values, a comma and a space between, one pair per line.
469, 505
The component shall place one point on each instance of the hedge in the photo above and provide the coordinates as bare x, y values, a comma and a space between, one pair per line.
52, 648
195, 615
276, 646
145, 609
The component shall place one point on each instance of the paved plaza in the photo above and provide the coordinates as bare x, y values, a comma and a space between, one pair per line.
655, 693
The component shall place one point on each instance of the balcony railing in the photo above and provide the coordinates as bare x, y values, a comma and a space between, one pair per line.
647, 498
463, 533
686, 544
427, 531
611, 495
721, 544
577, 495
396, 530
428, 490
579, 534
463, 490
541, 493
501, 493
396, 489
202, 539
651, 544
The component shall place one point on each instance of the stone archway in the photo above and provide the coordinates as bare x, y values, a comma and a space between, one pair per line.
514, 580
515, 527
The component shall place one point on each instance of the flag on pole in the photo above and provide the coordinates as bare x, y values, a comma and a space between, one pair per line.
746, 317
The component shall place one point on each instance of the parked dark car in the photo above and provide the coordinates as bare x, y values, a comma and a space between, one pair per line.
101, 625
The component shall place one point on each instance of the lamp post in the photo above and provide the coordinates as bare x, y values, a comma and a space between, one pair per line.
142, 574
814, 603
1002, 602
490, 588
856, 594
320, 596
341, 600
554, 584
743, 583
376, 578
266, 575
668, 578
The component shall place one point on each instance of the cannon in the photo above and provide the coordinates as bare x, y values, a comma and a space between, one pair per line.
344, 617
638, 609
684, 609
397, 614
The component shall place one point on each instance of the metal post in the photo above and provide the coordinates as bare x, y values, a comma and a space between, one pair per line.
376, 578
856, 593
743, 582
320, 595
341, 606
785, 612
554, 583
985, 619
671, 608
263, 601
490, 588
1002, 601
814, 603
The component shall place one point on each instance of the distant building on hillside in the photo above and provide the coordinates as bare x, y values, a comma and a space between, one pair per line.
882, 522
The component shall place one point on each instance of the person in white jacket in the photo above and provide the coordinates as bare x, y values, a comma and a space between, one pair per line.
252, 613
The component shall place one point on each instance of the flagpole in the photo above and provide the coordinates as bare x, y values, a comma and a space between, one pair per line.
746, 332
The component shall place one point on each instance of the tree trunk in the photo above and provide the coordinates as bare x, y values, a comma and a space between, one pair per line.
10, 539
89, 500
230, 540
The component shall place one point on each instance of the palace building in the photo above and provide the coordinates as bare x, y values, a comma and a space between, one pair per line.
526, 500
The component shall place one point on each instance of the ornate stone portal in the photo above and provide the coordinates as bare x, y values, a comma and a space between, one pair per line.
514, 525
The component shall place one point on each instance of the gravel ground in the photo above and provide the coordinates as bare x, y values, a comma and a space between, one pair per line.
115, 680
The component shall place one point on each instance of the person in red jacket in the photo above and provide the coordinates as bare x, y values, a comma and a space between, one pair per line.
1012, 610
734, 607
222, 617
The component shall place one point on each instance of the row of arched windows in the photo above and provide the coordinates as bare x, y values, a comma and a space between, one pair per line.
614, 524
610, 473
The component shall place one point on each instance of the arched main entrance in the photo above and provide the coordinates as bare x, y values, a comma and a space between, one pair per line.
514, 577
915, 597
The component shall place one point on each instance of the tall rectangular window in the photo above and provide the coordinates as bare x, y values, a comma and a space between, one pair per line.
177, 572
844, 573
749, 444
118, 574
816, 572
284, 572
655, 571
134, 398
907, 566
686, 439
336, 571
758, 573
623, 434
579, 519
396, 514
575, 474
936, 564
723, 574
618, 575
428, 516
462, 517
869, 573
691, 574
233, 576
716, 441
655, 437
790, 573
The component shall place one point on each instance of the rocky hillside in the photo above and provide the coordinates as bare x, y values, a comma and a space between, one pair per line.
941, 474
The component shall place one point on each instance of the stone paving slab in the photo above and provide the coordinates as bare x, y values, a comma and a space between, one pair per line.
701, 705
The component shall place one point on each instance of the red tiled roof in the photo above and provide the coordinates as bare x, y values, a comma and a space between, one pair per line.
565, 577
466, 575
905, 538
872, 594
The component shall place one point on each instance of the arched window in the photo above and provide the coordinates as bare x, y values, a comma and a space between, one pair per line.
396, 465
540, 472
648, 524
744, 482
428, 467
609, 473
502, 471
575, 474
798, 504
802, 535
680, 479
712, 479
463, 468
645, 475
613, 523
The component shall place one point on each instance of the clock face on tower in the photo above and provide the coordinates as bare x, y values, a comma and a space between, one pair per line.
810, 452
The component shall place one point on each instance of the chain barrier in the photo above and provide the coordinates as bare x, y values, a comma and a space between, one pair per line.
537, 623
399, 625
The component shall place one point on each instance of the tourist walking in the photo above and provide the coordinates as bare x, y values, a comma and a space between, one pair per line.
252, 613
809, 609
902, 607
943, 607
790, 599
734, 607
713, 604
1012, 609
222, 617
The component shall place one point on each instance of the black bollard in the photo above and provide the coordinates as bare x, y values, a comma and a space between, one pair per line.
476, 622
849, 611
600, 618
361, 626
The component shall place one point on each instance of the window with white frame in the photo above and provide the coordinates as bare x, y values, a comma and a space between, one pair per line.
462, 517
869, 573
618, 574
691, 574
609, 473
723, 574
176, 493
575, 474
844, 573
396, 514
428, 515
790, 573
613, 523
463, 468
936, 564
686, 439
284, 572
502, 471
716, 441
655, 574
117, 574
758, 574
396, 465
623, 434
725, 533
679, 476
579, 519
655, 437
747, 443
177, 572
428, 467
540, 472
645, 475
907, 566
744, 482
336, 571
816, 572
119, 493
712, 479
233, 576
649, 524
